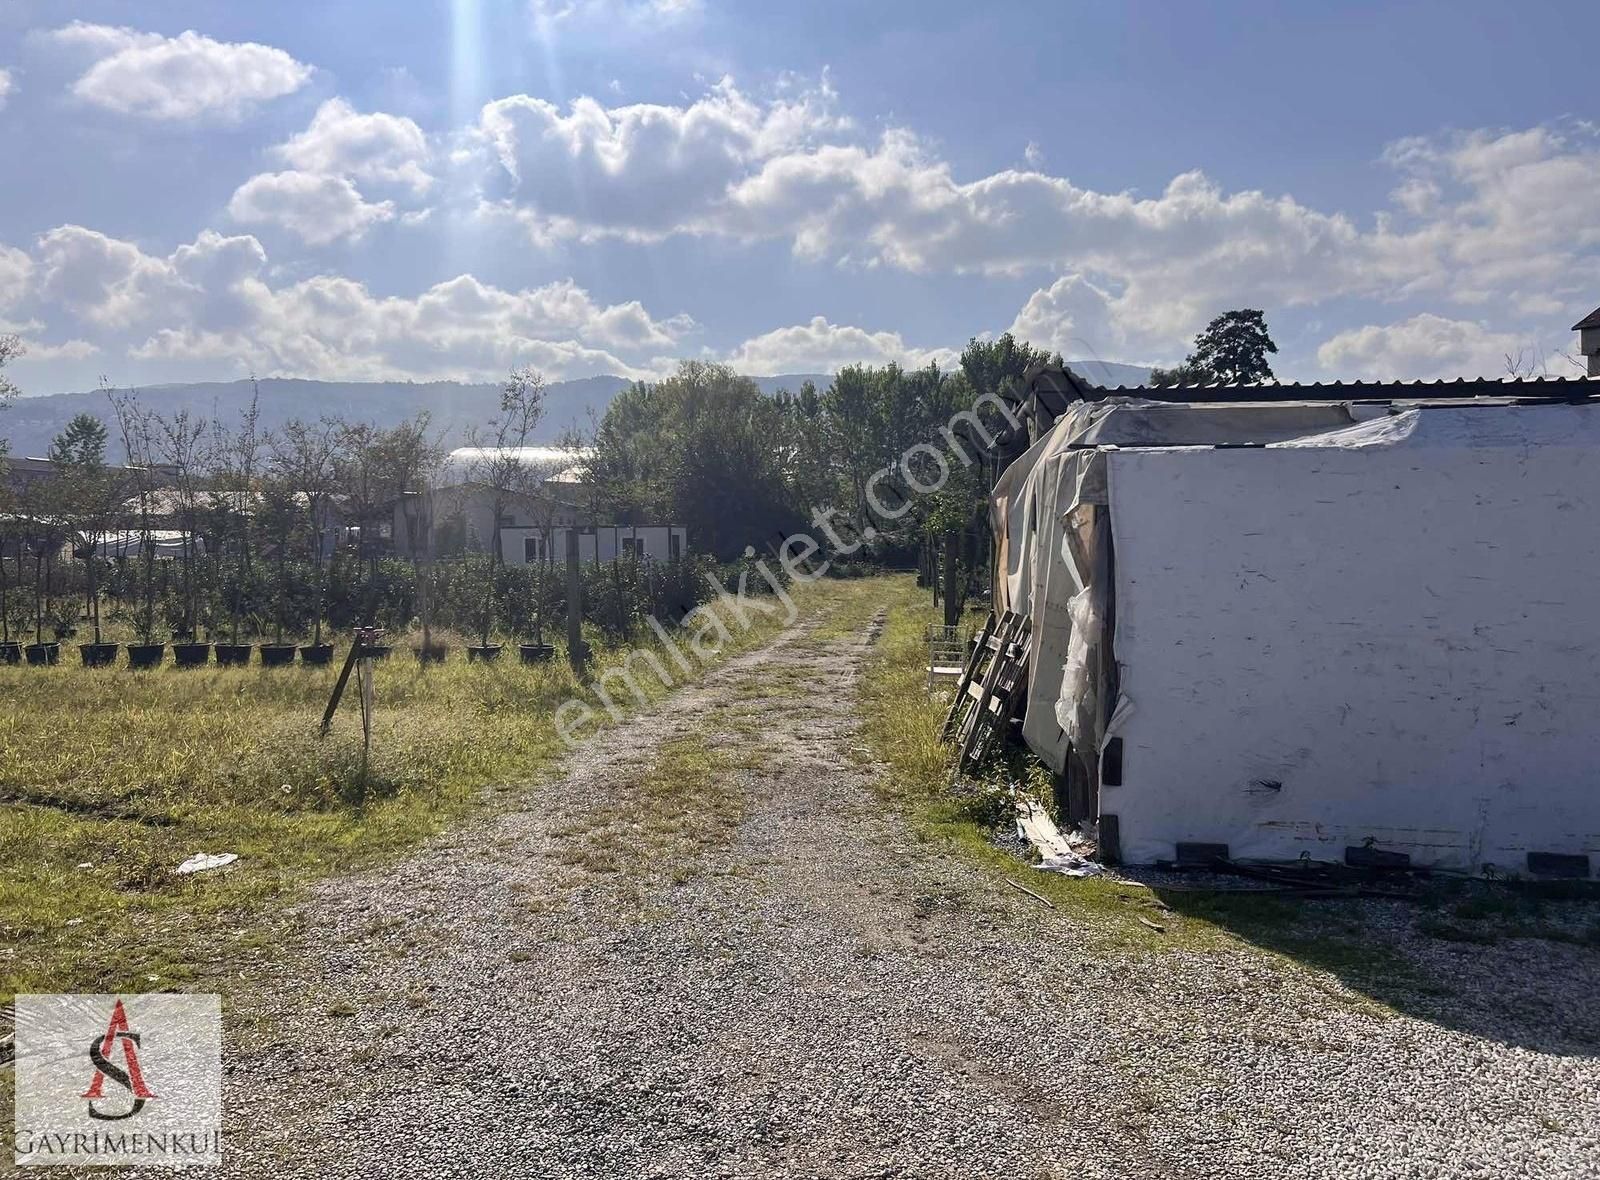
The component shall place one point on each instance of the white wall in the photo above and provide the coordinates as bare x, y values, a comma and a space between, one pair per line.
655, 539
1406, 639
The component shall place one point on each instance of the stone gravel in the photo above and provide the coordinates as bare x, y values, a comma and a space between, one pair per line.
829, 996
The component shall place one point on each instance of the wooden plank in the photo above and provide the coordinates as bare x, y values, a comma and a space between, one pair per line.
952, 719
975, 729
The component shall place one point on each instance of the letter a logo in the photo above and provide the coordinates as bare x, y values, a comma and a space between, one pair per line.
118, 1035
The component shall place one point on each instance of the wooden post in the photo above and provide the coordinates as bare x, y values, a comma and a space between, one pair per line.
952, 593
575, 603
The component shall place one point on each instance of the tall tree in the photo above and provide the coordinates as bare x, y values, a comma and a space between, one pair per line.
501, 465
702, 449
1232, 350
996, 366
303, 456
89, 495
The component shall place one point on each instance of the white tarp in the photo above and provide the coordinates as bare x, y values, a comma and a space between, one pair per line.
1384, 633
164, 543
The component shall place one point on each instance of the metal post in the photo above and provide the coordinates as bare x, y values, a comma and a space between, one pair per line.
575, 603
952, 594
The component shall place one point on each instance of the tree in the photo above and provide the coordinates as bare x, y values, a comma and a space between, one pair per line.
178, 441
138, 441
996, 366
303, 456
415, 459
501, 465
703, 449
1232, 350
234, 461
11, 347
89, 497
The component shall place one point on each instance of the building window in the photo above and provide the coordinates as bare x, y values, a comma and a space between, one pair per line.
533, 549
674, 545
633, 547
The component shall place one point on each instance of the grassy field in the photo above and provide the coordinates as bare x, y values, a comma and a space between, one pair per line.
109, 779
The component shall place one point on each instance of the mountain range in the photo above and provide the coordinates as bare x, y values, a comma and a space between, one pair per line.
31, 422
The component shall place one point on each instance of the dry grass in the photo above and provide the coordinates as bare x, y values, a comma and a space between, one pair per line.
109, 779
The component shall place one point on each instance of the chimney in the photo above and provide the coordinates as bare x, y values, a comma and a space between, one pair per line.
1588, 330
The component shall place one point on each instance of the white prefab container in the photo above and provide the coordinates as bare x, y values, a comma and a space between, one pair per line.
1381, 636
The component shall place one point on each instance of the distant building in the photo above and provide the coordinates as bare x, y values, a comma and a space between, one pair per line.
1588, 330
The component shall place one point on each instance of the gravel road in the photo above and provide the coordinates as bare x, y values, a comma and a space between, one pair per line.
820, 994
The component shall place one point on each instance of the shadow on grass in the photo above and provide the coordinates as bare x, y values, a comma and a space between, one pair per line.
1515, 965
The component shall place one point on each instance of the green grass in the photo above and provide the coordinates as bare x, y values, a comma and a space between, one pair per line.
109, 779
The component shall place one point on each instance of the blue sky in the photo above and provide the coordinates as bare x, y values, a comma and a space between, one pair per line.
448, 188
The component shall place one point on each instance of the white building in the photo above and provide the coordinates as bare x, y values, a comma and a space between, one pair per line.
1281, 629
645, 542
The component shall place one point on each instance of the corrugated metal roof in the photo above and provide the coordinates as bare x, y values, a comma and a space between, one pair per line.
1544, 389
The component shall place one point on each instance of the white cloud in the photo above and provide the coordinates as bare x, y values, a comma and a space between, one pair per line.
108, 282
1475, 217
1072, 316
379, 147
7, 86
549, 13
822, 347
1425, 346
67, 350
642, 171
182, 77
213, 299
16, 275
319, 209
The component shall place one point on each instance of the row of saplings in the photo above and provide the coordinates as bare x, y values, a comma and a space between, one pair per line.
236, 611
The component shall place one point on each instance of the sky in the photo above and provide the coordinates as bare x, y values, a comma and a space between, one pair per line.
448, 188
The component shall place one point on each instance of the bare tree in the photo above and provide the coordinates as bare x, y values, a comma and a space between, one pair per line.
303, 455
235, 460
178, 442
138, 441
501, 465
414, 458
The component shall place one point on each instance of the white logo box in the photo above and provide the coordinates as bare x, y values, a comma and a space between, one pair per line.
118, 1080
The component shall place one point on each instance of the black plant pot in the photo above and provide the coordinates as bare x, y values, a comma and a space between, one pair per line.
99, 655
317, 654
191, 655
486, 654
434, 653
40, 654
378, 651
536, 653
146, 655
10, 652
233, 655
277, 655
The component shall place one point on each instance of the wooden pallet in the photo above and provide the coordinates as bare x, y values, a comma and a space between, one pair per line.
991, 688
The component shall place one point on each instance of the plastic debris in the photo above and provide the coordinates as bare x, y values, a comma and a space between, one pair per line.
202, 862
1056, 853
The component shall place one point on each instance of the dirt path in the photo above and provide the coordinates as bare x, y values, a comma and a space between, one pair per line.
794, 985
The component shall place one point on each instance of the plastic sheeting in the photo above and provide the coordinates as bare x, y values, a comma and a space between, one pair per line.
1383, 636
1334, 625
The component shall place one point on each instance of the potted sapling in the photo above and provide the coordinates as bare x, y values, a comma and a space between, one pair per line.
235, 457
501, 468
93, 494
180, 439
133, 421
304, 456
279, 516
